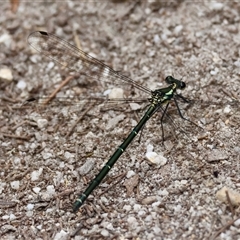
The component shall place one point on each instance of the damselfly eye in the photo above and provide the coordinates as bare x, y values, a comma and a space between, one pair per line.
169, 80
182, 85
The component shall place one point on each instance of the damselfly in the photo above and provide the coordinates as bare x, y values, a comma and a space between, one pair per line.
77, 60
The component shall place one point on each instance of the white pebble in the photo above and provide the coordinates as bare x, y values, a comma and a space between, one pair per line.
86, 167
6, 39
6, 74
227, 109
42, 123
30, 207
214, 72
178, 29
163, 192
50, 65
36, 174
5, 217
135, 106
237, 63
234, 196
156, 158
46, 155
127, 208
132, 220
104, 233
114, 121
148, 11
216, 6
51, 190
21, 84
237, 223
62, 235
17, 160
137, 207
15, 185
68, 155
116, 93
156, 39
36, 189
39, 227
130, 174
184, 182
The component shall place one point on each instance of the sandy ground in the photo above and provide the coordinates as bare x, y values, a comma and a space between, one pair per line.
46, 162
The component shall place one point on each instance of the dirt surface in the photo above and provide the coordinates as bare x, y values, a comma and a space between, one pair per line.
49, 153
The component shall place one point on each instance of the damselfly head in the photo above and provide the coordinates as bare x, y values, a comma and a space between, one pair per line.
182, 85
171, 80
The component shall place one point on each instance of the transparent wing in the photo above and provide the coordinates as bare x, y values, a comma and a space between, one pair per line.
77, 60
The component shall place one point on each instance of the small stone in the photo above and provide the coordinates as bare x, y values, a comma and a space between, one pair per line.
227, 109
30, 207
68, 155
216, 155
50, 65
86, 167
135, 106
114, 121
116, 93
156, 159
234, 196
42, 123
216, 6
6, 74
237, 63
132, 222
62, 235
156, 39
12, 217
6, 39
104, 233
15, 185
177, 30
21, 84
36, 189
149, 200
130, 174
50, 190
36, 174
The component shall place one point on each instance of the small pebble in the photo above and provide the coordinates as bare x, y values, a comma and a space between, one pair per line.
62, 235
104, 233
30, 207
86, 167
114, 121
149, 200
21, 84
234, 196
42, 123
177, 30
15, 185
36, 189
36, 174
227, 109
50, 190
68, 155
116, 93
216, 6
6, 74
130, 174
